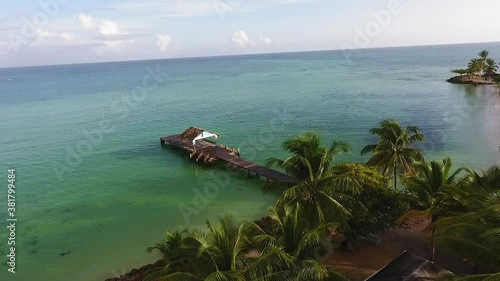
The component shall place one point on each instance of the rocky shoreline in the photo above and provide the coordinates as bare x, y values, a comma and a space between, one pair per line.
471, 80
139, 274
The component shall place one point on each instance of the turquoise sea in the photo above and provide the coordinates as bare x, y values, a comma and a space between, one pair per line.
94, 184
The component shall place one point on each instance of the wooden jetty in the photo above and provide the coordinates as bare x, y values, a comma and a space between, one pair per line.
202, 148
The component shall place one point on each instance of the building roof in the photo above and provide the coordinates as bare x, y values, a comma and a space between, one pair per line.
408, 267
194, 132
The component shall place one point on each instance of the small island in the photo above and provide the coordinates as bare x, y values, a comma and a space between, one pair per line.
479, 71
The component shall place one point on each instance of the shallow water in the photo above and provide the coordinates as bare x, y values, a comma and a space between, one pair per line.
107, 197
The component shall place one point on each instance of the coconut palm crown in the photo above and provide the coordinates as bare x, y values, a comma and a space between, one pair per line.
394, 153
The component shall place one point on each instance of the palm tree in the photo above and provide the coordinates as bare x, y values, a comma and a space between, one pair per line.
308, 147
488, 180
324, 194
476, 233
394, 152
304, 243
460, 71
484, 55
470, 72
475, 66
220, 253
173, 250
433, 188
490, 67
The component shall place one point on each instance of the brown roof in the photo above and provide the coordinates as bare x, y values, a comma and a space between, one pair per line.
192, 133
408, 267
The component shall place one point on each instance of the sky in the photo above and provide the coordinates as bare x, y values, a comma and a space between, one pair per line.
47, 32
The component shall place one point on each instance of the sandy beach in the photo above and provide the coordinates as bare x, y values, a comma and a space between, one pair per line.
367, 258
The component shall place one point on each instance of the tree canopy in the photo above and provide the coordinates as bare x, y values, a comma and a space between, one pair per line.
481, 66
394, 153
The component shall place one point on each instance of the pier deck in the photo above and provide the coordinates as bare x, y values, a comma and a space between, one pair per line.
209, 152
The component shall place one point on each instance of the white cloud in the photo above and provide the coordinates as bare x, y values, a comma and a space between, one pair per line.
41, 34
241, 39
68, 36
103, 27
112, 46
107, 27
163, 42
107, 33
115, 47
49, 38
86, 21
265, 40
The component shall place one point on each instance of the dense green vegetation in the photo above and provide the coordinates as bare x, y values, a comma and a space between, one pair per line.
433, 190
475, 232
351, 200
482, 66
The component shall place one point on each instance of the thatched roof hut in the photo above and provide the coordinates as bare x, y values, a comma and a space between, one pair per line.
408, 267
194, 133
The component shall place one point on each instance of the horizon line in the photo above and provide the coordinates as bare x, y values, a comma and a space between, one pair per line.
241, 55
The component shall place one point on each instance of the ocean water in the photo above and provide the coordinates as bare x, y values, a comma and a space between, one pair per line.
93, 182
